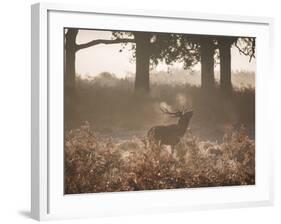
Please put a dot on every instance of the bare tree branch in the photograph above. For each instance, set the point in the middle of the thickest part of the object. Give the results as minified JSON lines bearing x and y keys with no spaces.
{"x":246,"y":53}
{"x":101,"y":41}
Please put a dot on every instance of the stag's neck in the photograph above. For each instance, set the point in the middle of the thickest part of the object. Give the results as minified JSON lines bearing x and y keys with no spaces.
{"x":182,"y":126}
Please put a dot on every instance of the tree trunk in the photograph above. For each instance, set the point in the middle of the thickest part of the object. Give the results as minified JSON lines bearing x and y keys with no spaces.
{"x":225,"y":65}
{"x":207,"y":63}
{"x":69,"y":67}
{"x":142,"y":62}
{"x":71,"y":115}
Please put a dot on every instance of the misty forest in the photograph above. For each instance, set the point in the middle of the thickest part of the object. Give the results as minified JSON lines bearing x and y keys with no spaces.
{"x":183,"y":117}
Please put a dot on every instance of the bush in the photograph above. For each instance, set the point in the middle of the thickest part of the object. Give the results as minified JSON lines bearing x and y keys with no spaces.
{"x":94,"y":163}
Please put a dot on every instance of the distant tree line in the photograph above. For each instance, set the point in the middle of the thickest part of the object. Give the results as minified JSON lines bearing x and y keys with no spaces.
{"x":152,"y":48}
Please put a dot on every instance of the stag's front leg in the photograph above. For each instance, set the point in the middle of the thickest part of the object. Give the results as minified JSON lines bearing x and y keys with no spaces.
{"x":172,"y":149}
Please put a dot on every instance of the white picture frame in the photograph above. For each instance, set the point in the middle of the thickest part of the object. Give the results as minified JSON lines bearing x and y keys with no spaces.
{"x":47,"y":198}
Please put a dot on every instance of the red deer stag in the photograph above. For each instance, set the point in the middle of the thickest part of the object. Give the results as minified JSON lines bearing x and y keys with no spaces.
{"x":170,"y":134}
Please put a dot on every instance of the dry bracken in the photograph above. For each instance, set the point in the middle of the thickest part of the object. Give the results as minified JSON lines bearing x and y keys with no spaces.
{"x":98,"y":164}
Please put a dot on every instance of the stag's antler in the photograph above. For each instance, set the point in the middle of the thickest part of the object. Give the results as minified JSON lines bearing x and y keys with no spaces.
{"x":173,"y":114}
{"x":187,"y":109}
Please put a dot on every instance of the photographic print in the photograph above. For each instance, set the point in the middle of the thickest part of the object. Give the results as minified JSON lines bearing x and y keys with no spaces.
{"x":153,"y":111}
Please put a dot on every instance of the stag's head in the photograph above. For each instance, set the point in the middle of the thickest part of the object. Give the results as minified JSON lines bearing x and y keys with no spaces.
{"x":184,"y":115}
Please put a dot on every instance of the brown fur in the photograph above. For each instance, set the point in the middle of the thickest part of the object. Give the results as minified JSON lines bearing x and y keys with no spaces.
{"x":170,"y":134}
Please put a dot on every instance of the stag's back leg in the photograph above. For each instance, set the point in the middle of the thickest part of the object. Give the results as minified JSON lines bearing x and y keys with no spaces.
{"x":153,"y":144}
{"x":157,"y":145}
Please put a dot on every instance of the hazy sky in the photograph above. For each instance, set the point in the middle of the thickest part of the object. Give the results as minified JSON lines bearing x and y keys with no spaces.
{"x":94,"y":60}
